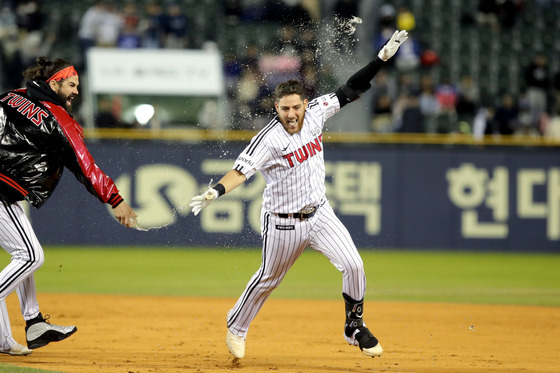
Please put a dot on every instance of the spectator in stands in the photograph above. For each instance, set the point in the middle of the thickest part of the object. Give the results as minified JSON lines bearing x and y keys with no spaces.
{"x":387,"y":23}
{"x":382,"y":121}
{"x":527,"y":123}
{"x":89,"y":30}
{"x":34,"y":40}
{"x":387,"y":17}
{"x":28,"y":16}
{"x":446,"y":95}
{"x":429,"y":105}
{"x":8,"y":25}
{"x":467,"y":100}
{"x":405,"y":19}
{"x":484,"y":123}
{"x":129,"y":37}
{"x":109,"y":27}
{"x":251,"y":99}
{"x":383,"y":84}
{"x":105,"y":118}
{"x":537,"y":80}
{"x":384,"y":91}
{"x":251,"y":56}
{"x":408,"y":56}
{"x":232,"y":73}
{"x":287,"y":43}
{"x":412,"y":119}
{"x":176,"y":27}
{"x":130,"y":15}
{"x":506,"y":116}
{"x":406,"y":84}
{"x":152,"y":26}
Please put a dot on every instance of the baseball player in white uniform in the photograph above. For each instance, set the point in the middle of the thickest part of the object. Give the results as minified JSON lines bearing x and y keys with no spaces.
{"x":295,"y":212}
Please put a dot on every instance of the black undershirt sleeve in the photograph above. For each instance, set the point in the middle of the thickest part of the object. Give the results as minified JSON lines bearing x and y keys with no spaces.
{"x":359,"y":82}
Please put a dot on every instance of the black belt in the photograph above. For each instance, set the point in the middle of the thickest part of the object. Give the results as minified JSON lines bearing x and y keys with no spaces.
{"x":299,"y":215}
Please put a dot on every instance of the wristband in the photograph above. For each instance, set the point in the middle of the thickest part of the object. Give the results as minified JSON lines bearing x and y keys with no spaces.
{"x":220,"y":189}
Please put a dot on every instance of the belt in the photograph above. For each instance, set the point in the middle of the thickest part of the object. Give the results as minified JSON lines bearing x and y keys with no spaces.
{"x":300,"y":215}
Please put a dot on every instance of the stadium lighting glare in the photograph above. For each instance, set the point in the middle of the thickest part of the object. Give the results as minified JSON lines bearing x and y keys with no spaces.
{"x":144,"y":113}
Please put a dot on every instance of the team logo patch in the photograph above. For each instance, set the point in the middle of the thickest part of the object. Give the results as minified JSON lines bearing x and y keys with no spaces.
{"x":285,"y":227}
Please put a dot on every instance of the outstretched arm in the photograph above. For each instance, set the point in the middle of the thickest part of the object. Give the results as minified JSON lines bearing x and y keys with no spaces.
{"x":229,"y":182}
{"x":360,"y":81}
{"x":125,"y":215}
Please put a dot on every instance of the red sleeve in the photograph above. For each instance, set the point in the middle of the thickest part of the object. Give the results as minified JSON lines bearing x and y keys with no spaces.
{"x":91,"y":175}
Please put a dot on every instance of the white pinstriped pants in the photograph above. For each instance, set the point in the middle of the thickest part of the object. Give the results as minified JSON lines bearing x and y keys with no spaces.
{"x":284,"y":240}
{"x":18,"y":239}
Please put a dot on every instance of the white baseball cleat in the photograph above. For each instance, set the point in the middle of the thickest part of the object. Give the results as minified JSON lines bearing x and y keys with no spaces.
{"x":235,"y":344}
{"x":17,"y":350}
{"x":40,"y":332}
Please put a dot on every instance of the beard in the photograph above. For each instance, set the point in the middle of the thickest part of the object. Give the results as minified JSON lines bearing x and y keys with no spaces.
{"x":289,"y":128}
{"x":67,"y":102}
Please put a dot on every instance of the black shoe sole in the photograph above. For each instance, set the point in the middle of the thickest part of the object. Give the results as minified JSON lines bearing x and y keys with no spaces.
{"x":48,"y":337}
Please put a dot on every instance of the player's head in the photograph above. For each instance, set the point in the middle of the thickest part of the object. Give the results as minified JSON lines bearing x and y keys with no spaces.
{"x":59,"y":74}
{"x":290,"y":103}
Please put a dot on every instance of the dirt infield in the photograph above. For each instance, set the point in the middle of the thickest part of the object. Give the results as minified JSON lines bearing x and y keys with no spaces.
{"x":175,"y":334}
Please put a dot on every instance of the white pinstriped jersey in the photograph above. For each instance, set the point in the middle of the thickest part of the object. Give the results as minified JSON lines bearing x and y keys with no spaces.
{"x":293,"y":166}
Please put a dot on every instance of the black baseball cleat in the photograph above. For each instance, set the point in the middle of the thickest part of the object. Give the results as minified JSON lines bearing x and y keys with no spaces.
{"x":365,"y":340}
{"x":39,"y":332}
{"x":355,"y":331}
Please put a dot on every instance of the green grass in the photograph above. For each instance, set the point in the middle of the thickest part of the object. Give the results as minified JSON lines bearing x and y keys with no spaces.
{"x":499,"y":278}
{"x":494,"y":278}
{"x":5,"y":368}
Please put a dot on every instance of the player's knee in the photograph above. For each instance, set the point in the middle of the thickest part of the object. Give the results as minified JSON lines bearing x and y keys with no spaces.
{"x":33,"y":258}
{"x":356,"y":268}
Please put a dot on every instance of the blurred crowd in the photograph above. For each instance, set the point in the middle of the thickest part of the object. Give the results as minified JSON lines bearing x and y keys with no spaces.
{"x":405,"y":96}
{"x":24,"y":36}
{"x":409,"y":100}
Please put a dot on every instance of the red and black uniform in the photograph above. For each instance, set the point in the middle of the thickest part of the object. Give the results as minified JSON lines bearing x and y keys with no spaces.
{"x":38,"y":138}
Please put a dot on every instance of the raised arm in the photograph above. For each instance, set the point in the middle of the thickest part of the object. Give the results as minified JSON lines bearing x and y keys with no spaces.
{"x":360,"y":81}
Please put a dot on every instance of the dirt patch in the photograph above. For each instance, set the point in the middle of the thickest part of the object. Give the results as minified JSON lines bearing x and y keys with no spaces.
{"x":176,"y":334}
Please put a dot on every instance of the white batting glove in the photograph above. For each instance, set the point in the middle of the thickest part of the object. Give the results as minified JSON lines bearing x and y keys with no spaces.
{"x":393,"y":45}
{"x":201,"y":201}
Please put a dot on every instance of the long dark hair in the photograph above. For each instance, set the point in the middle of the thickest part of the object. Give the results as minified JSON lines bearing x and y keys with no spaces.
{"x":45,"y":68}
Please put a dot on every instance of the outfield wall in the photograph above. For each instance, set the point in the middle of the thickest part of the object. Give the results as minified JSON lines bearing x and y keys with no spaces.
{"x":389,"y":196}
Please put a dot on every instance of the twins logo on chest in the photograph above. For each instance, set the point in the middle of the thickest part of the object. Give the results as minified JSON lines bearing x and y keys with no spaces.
{"x":305,"y":152}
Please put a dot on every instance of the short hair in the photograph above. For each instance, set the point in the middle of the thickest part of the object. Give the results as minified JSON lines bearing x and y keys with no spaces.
{"x":289,"y":87}
{"x":45,"y":68}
